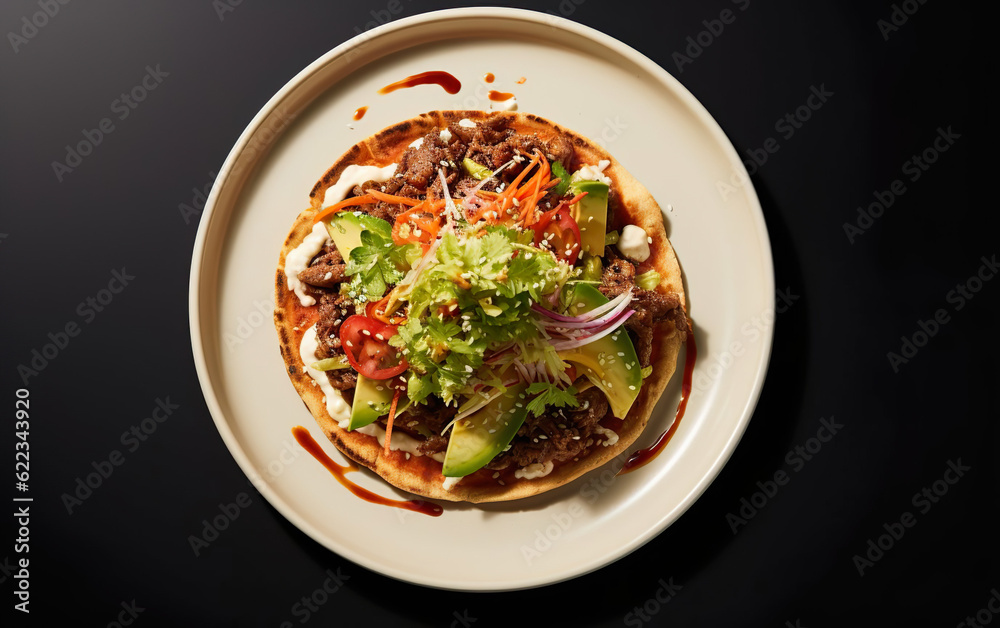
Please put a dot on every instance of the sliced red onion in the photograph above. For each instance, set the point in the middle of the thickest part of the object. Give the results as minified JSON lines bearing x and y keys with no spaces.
{"x":554,"y":297}
{"x":586,"y":316}
{"x":579,"y":342}
{"x":597,"y":322}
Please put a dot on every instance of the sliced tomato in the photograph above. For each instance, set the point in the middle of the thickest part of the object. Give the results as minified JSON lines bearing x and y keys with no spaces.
{"x":366,"y":343}
{"x":560,"y":234}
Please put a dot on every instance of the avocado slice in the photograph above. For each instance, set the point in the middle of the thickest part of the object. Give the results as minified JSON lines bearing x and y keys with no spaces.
{"x":372,"y":399}
{"x":610,"y":363}
{"x":478,"y":438}
{"x":591,"y":214}
{"x":345,"y":230}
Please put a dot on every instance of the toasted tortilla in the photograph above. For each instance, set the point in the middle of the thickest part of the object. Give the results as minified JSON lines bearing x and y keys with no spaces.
{"x":421,"y":475}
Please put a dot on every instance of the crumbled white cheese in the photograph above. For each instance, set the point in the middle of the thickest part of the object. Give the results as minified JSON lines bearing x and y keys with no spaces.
{"x":593,"y":173}
{"x":445,"y":135}
{"x":634,"y":243}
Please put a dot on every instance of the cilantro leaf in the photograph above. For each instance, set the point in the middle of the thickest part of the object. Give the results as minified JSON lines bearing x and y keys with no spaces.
{"x":550,"y":395}
{"x":559,"y":171}
{"x":374,"y":265}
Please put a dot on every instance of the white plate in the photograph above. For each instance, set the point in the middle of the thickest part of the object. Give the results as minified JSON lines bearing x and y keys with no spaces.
{"x":578,"y":78}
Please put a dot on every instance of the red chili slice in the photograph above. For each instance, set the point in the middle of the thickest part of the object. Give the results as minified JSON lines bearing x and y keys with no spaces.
{"x":561,"y":233}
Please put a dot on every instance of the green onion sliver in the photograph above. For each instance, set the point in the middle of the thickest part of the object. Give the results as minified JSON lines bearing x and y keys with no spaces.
{"x":648,"y":280}
{"x":330,"y":364}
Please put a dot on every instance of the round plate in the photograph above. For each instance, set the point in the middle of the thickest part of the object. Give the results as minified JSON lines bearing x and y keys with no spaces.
{"x":580,"y":79}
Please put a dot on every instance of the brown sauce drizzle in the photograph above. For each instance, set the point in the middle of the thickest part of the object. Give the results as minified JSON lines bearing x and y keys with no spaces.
{"x":521,"y":80}
{"x":496,"y":96}
{"x":305,"y":439}
{"x":645,"y":456}
{"x":489,"y":78}
{"x":448,"y":82}
{"x":360,"y":112}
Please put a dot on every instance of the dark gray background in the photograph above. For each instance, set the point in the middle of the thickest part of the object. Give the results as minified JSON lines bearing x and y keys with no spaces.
{"x":851,"y":305}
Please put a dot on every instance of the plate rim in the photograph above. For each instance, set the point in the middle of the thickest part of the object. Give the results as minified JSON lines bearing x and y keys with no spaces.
{"x":200,"y":251}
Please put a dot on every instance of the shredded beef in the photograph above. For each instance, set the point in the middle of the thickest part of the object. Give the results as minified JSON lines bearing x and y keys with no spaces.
{"x":557,"y":435}
{"x":619,"y":275}
{"x":650,"y":306}
{"x":433,"y":415}
{"x":326,"y":271}
{"x":433,"y":444}
{"x":333,"y":309}
{"x":419,"y":165}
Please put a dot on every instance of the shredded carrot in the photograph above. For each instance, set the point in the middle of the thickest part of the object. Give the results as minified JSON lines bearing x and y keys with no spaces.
{"x":347,"y":202}
{"x":392,"y":417}
{"x":392,"y":198}
{"x":426,"y":216}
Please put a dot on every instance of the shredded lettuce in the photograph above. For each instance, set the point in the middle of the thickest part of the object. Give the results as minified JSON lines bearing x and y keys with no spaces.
{"x":477,"y":295}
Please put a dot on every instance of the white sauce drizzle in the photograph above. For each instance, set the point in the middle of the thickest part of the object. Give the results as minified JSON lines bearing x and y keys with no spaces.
{"x":467,"y":123}
{"x":356,"y":175}
{"x":336,"y":407}
{"x":610,"y":436}
{"x":534,"y":470}
{"x":298,"y":260}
